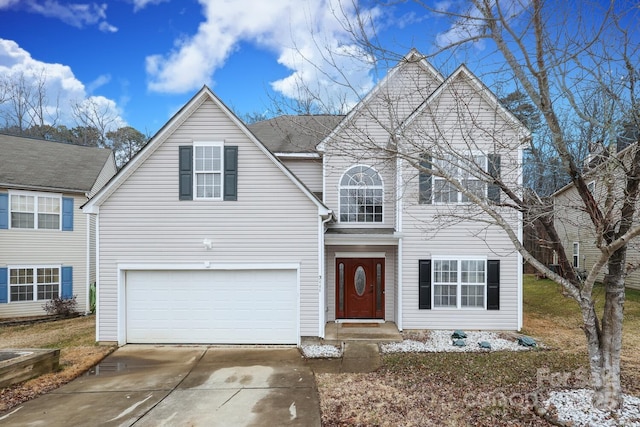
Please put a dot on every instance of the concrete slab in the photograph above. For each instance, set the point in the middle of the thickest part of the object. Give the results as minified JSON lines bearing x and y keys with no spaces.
{"x":83,"y":409}
{"x":374,"y":332}
{"x":174,"y":385}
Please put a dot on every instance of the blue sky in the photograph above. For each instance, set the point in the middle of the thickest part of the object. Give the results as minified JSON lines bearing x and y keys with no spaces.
{"x":141,"y":60}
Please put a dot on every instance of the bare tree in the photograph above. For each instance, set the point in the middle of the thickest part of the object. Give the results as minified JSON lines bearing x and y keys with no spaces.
{"x":577,"y":66}
{"x":91,"y":114}
{"x":126,"y":143}
{"x":24,"y":101}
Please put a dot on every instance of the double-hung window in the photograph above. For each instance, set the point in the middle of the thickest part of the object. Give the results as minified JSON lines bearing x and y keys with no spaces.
{"x":35,"y":211}
{"x":208,"y":169}
{"x":465,"y":170}
{"x":459,"y":283}
{"x":34,"y":283}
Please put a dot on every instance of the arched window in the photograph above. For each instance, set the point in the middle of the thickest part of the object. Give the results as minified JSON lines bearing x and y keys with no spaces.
{"x":361,"y":193}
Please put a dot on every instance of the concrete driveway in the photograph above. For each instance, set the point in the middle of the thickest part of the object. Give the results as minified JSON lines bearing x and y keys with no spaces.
{"x":145,"y":385}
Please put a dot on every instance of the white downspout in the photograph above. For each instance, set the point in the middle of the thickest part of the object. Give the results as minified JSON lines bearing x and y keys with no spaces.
{"x":321,"y":276}
{"x":520,"y":237}
{"x":399,"y":261}
{"x":87,"y":218}
{"x":98,"y":278}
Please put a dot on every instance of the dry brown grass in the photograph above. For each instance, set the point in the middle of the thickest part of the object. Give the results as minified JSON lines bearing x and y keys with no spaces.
{"x":78,"y":352}
{"x":479,"y":389}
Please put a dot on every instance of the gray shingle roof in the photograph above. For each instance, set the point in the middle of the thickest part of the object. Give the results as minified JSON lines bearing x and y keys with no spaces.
{"x":35,"y":163}
{"x":294,"y":134}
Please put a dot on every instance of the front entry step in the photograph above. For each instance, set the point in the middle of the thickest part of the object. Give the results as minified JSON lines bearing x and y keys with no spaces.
{"x":337,"y":333}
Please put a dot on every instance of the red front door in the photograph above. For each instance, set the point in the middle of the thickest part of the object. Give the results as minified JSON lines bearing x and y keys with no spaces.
{"x":360,"y":288}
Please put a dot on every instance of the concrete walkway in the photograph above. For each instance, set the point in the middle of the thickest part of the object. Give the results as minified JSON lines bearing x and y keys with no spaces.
{"x":357,"y":357}
{"x":182,"y":386}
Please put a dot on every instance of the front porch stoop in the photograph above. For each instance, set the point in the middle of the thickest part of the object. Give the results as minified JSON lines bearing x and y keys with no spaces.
{"x":374,"y":333}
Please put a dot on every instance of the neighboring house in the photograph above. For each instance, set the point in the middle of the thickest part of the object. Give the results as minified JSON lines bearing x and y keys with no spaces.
{"x":574,"y":226}
{"x":46,"y":242}
{"x":218,"y":232}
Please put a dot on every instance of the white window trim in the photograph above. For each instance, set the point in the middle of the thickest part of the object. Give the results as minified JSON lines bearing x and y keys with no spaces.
{"x":35,"y":284}
{"x":575,"y":259}
{"x":458,"y":177}
{"x":195,"y":173}
{"x":356,"y":224}
{"x":459,"y":283}
{"x":35,"y":195}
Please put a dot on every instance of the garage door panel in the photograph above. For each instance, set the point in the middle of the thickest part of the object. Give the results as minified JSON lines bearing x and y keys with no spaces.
{"x":245,"y":307}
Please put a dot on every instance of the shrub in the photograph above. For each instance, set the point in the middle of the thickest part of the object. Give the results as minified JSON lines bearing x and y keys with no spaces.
{"x":92,"y":297}
{"x":61,"y":307}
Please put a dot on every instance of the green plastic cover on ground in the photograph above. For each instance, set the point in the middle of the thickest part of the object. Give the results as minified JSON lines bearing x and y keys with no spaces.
{"x":527,"y":341}
{"x":457,"y":334}
{"x":485,"y":344}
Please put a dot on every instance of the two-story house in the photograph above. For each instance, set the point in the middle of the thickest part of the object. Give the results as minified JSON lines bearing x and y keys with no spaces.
{"x":218,"y":232}
{"x":47,"y":245}
{"x":606,"y":179}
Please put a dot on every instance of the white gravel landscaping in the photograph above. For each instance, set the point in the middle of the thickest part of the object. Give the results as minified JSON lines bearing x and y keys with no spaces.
{"x":321,"y":351}
{"x":441,"y":341}
{"x":574,"y":408}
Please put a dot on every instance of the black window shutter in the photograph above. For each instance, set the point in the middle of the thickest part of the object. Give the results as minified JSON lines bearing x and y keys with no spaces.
{"x":424,"y":181}
{"x":493,"y":192}
{"x":424,"y":286}
{"x":186,"y":172}
{"x":231,"y":173}
{"x":493,"y":284}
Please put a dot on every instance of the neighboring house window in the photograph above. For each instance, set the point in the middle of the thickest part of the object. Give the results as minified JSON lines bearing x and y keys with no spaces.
{"x":576,"y":255}
{"x":459,"y":283}
{"x":34,"y":283}
{"x":40,"y":211}
{"x":208,"y":171}
{"x":592,"y":187}
{"x":361,"y":195}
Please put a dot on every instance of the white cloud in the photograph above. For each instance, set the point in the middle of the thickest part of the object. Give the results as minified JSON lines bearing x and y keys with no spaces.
{"x":470,"y":25}
{"x":77,"y":15}
{"x":141,"y":4}
{"x":61,"y":88}
{"x":301,"y":33}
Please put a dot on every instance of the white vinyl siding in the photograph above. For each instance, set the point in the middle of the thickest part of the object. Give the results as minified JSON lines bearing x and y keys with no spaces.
{"x":29,"y":247}
{"x":409,"y":86}
{"x":429,"y":232}
{"x":272,"y":220}
{"x":309,"y":171}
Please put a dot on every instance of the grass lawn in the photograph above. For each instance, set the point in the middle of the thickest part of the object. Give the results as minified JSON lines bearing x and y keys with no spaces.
{"x":480,"y":389}
{"x":78,"y":352}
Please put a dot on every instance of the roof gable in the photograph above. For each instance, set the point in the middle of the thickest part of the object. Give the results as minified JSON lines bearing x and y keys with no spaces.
{"x":168,"y":129}
{"x":413,"y":57}
{"x":462,"y":73}
{"x":31,"y":163}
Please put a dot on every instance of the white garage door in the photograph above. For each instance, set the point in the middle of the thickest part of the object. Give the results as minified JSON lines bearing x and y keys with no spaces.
{"x":212,"y":307}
